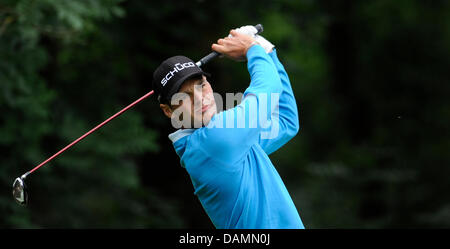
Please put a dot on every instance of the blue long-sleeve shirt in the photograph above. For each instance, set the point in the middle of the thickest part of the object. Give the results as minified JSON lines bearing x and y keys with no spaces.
{"x":232,"y":175}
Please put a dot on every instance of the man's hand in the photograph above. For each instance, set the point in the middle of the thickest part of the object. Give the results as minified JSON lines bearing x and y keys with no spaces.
{"x":234,"y":46}
{"x":251,"y":31}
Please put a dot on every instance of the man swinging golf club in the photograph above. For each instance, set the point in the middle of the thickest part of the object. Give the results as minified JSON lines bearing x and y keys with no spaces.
{"x":233,"y":177}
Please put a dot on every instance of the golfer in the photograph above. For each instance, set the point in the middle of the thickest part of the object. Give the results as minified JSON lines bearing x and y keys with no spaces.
{"x":229,"y":166}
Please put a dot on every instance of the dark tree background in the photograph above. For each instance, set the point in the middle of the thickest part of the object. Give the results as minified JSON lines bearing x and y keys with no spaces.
{"x":371,"y":80}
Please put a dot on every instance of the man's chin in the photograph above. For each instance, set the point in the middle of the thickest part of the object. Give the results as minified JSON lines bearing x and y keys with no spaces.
{"x":207,"y":116}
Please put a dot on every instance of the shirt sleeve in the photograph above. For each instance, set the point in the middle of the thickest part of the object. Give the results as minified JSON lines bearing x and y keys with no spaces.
{"x":231,"y":133}
{"x":284,"y":123}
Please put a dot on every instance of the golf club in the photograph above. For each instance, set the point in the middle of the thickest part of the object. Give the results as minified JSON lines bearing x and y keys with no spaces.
{"x":20,"y":192}
{"x":212,"y":55}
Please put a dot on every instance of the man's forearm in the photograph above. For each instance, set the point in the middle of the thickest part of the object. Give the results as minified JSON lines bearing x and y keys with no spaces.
{"x":286,"y":115}
{"x":263,"y":73}
{"x":288,"y":110}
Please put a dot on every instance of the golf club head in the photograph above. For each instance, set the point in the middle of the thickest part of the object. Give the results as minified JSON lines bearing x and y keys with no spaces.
{"x":20,"y":193}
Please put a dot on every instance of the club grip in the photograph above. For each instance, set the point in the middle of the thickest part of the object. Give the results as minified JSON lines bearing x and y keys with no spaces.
{"x":259,"y":28}
{"x":207,"y":58}
{"x":214,"y":54}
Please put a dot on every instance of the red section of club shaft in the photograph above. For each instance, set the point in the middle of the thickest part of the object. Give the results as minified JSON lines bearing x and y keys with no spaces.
{"x":89,"y":132}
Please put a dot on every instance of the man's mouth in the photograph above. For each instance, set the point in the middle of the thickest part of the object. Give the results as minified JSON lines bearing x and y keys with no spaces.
{"x":205,"y":108}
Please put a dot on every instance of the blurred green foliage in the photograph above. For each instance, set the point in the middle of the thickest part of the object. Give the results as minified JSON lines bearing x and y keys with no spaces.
{"x":371,"y":82}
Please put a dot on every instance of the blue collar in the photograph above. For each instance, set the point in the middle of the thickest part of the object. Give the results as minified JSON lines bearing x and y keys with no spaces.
{"x":177,"y":135}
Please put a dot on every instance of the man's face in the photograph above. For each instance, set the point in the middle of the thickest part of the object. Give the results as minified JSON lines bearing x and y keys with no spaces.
{"x":195,"y":98}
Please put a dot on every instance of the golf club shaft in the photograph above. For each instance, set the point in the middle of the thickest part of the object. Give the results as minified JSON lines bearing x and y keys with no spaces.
{"x":89,"y":132}
{"x":200,"y":63}
{"x":214,"y":54}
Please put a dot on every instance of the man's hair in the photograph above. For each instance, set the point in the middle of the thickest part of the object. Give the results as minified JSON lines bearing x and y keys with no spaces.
{"x":167,"y":102}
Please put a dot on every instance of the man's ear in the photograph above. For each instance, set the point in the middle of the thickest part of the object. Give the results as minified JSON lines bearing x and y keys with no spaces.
{"x":166,"y":109}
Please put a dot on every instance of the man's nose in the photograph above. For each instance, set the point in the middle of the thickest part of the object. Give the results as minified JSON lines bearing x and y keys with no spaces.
{"x":198,"y":96}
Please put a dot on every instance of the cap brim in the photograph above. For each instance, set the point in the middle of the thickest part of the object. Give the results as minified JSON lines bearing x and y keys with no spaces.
{"x":176,"y":87}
